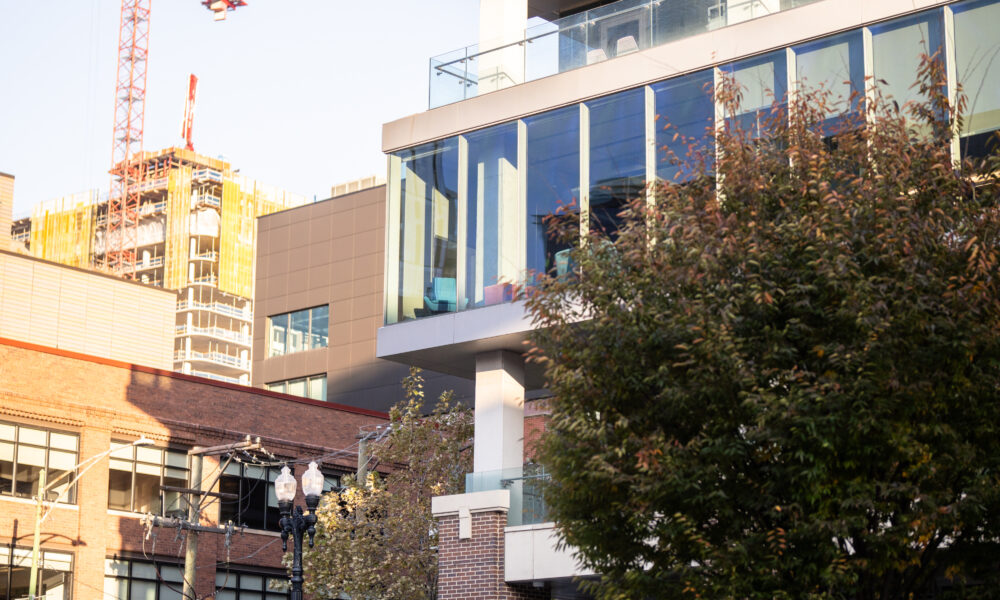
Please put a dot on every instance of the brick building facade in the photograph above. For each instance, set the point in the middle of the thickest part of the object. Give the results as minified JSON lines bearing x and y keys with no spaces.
{"x":58,"y":408}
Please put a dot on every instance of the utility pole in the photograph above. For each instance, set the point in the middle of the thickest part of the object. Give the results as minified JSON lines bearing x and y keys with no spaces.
{"x":362,"y":458}
{"x":193,"y":522}
{"x":33,"y":579}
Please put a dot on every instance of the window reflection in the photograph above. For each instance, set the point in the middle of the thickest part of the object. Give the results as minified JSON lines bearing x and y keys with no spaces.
{"x":977,"y":62}
{"x":684,"y":106}
{"x":553,"y":173}
{"x":835,"y":65}
{"x":617,"y":156}
{"x":896,"y":50}
{"x":491,"y":253}
{"x":762,"y":80}
{"x":306,"y":329}
{"x":428,"y":241}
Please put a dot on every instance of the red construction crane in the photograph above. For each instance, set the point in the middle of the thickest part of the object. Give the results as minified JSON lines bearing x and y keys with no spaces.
{"x":187,"y":126}
{"x":130,"y":111}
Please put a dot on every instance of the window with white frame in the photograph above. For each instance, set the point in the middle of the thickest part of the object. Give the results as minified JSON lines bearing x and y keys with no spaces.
{"x":136,"y":474}
{"x":313,"y":386}
{"x":27,"y":451}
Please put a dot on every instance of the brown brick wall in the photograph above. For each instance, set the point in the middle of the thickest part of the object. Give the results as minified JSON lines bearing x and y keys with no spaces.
{"x":473,"y":569}
{"x":101,"y":399}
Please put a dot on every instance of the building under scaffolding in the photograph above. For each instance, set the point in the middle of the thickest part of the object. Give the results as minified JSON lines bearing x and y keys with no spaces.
{"x":196,"y":235}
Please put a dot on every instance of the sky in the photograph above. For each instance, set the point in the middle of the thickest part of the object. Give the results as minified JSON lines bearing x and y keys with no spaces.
{"x":292,"y":93}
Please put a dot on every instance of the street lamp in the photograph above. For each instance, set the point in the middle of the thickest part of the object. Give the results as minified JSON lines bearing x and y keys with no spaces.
{"x":297,"y":523}
{"x":43,"y":490}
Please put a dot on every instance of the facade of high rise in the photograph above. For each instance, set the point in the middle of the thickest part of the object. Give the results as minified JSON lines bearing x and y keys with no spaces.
{"x":196,"y":236}
{"x":318,"y":303}
{"x":562,"y":102}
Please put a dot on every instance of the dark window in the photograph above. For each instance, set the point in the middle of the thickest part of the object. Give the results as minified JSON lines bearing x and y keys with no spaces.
{"x":136,"y":474}
{"x":257,"y":506}
{"x":142,"y":580}
{"x":232,"y":584}
{"x":26,"y":451}
{"x":55,"y":576}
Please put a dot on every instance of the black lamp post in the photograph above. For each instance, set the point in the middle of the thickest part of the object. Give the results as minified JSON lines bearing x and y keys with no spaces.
{"x":296,"y":523}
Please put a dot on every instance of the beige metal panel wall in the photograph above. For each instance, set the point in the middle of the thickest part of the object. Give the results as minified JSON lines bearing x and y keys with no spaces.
{"x":6,"y":208}
{"x":71,"y":309}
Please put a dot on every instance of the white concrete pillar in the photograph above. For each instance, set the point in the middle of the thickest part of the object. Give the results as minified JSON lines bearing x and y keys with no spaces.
{"x":499,"y":420}
{"x":501,"y":22}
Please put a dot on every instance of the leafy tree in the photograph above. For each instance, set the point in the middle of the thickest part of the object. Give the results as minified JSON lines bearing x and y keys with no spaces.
{"x":780,"y":379}
{"x":377,"y":538}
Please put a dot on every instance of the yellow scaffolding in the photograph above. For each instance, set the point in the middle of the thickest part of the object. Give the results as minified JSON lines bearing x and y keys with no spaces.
{"x":178,"y":230}
{"x":63,"y":230}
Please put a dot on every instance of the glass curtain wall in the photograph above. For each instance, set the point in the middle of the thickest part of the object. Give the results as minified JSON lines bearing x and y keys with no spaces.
{"x":617,"y":156}
{"x":683,"y":106}
{"x":468,"y":214}
{"x":977,"y":62}
{"x":835,"y":66}
{"x":553,"y":181}
{"x":676,"y":19}
{"x":492,"y":255}
{"x":428,"y":230}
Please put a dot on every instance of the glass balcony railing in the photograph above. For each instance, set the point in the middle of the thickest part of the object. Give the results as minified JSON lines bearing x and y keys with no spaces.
{"x":526,"y":485}
{"x":589,"y":37}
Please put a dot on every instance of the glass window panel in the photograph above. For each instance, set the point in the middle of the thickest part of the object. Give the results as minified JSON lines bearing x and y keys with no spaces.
{"x":27,"y":455}
{"x":233,"y":468}
{"x":120,"y":489}
{"x":277,"y":386}
{"x":26,"y":479}
{"x":143,"y":570}
{"x":150,"y":455}
{"x":297,"y":387}
{"x":64,"y":461}
{"x":7,"y":473}
{"x":6,"y":451}
{"x":553,"y":173}
{"x":675,"y":19}
{"x":762,"y":80}
{"x":115,"y":567}
{"x":143,"y":590}
{"x":428,"y":251}
{"x":298,"y":331}
{"x":176,"y":458}
{"x":254,"y":472}
{"x":320,"y":327}
{"x":122,"y":450}
{"x":492,"y":225}
{"x":120,"y":465}
{"x":147,"y":492}
{"x":977,"y":62}
{"x":58,"y":561}
{"x":225,"y":595}
{"x":250,"y":596}
{"x":27,"y":435}
{"x":171,"y":591}
{"x":835,"y":65}
{"x":896,"y":49}
{"x":147,"y":469}
{"x":617,"y":156}
{"x":7,"y":432}
{"x":174,"y":503}
{"x":171,"y":573}
{"x":251,"y":582}
{"x":115,"y":589}
{"x":63,"y":441}
{"x":229,"y":510}
{"x":278,"y":335}
{"x":224,"y":578}
{"x":684,"y":106}
{"x":317,"y":388}
{"x":60,"y":491}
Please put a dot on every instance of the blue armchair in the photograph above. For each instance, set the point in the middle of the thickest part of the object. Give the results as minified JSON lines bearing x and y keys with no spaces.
{"x":442,"y":295}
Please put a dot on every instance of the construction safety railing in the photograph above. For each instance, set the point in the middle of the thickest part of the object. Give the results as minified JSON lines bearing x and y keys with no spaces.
{"x":215,"y":332}
{"x":216,"y":307}
{"x":152,"y":263}
{"x":218,"y":358}
{"x":583,"y":39}
{"x":212,"y":256}
{"x":206,"y":280}
{"x":208,"y":375}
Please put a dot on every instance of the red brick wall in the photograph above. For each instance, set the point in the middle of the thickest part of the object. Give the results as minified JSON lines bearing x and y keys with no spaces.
{"x":103,"y":400}
{"x":473,"y":569}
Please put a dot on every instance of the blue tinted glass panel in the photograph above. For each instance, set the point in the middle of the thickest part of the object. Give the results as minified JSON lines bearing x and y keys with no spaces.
{"x":763,"y":81}
{"x":835,"y":66}
{"x":896,"y":50}
{"x":553,"y":172}
{"x":977,"y":62}
{"x":617,"y":155}
{"x":685,"y":108}
{"x":491,"y":259}
{"x":428,"y":229}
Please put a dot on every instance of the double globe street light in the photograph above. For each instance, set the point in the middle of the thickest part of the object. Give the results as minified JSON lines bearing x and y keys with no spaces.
{"x":295,"y":522}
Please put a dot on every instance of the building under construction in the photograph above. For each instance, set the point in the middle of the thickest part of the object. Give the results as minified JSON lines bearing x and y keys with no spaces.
{"x":196,"y":232}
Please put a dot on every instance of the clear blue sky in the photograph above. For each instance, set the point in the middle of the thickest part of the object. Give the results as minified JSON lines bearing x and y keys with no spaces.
{"x":293,"y":93}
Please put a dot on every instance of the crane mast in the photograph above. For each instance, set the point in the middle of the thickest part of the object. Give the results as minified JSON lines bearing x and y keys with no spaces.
{"x":121,"y":235}
{"x":126,"y":164}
